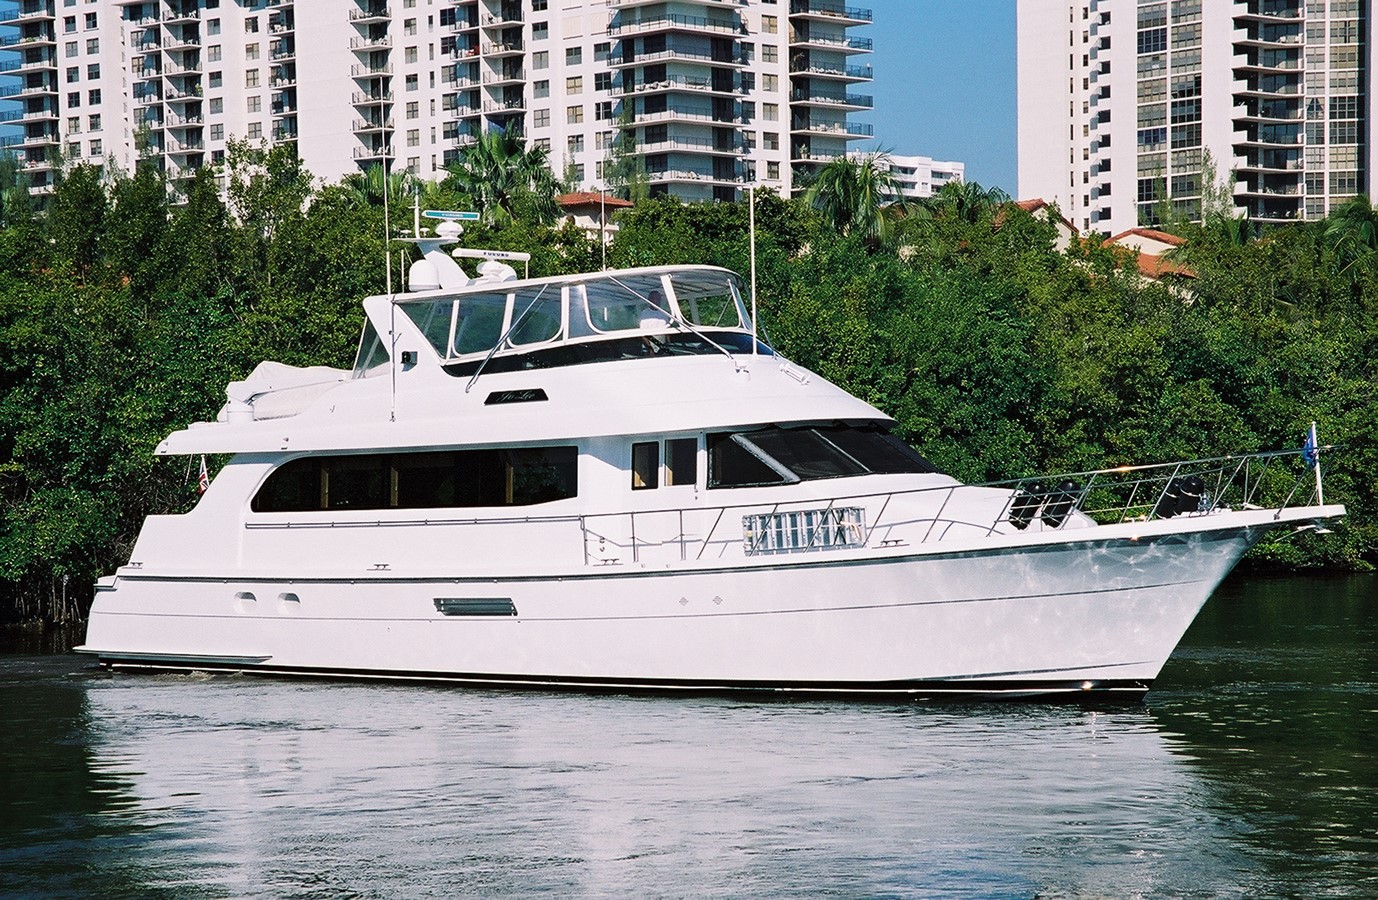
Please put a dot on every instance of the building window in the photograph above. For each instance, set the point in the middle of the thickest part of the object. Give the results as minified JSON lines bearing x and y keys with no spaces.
{"x":543,"y":144}
{"x":409,"y":26}
{"x":217,"y":105}
{"x":576,"y":143}
{"x":540,"y":31}
{"x":95,"y":122}
{"x":770,"y":112}
{"x":72,"y":49}
{"x":574,"y":56}
{"x":93,"y":71}
{"x":602,"y":111}
{"x":90,"y":20}
{"x":409,"y":55}
{"x":213,"y":53}
{"x":770,"y":140}
{"x":73,"y":74}
{"x":413,"y":82}
{"x":93,"y":45}
{"x":602,"y":51}
{"x":770,"y":24}
{"x":540,"y":60}
{"x":574,"y":115}
{"x":413,"y":110}
{"x":772,"y":171}
{"x":574,"y":85}
{"x":251,"y":51}
{"x":540,"y":5}
{"x":74,"y":125}
{"x":414,"y":137}
{"x":602,"y":81}
{"x":255,"y":130}
{"x":770,"y":83}
{"x":251,"y":25}
{"x":217,"y":132}
{"x":540,"y":89}
{"x":96,"y":148}
{"x":576,"y":172}
{"x":213,"y":26}
{"x":251,"y":78}
{"x":93,"y":97}
{"x":541,"y":118}
{"x":770,"y":53}
{"x":215,"y":79}
{"x":69,"y":24}
{"x":255,"y":104}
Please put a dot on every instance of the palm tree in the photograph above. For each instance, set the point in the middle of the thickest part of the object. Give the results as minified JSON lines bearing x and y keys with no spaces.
{"x":852,"y":193}
{"x":501,"y":174}
{"x":1352,"y":229}
{"x":366,"y":188}
{"x":966,"y":201}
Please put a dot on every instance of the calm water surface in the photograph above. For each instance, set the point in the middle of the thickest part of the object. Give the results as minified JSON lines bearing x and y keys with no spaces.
{"x":1250,"y":771}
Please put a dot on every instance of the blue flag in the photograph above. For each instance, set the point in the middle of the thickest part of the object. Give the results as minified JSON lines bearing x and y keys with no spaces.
{"x":1310,"y":453}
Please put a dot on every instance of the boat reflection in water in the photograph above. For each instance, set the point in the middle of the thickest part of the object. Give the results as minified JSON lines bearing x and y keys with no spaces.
{"x":607,"y":481}
{"x":243,"y":787}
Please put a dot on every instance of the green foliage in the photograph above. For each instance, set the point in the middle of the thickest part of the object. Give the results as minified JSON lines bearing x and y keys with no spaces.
{"x":506,"y":179}
{"x":123,"y":316}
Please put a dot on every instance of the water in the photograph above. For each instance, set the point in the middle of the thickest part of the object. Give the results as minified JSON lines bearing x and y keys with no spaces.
{"x":1250,"y":771}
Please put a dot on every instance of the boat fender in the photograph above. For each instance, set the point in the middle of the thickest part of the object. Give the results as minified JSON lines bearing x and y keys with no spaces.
{"x":1166,"y":507}
{"x":1060,"y":503}
{"x":1190,"y":490}
{"x":1027,"y":500}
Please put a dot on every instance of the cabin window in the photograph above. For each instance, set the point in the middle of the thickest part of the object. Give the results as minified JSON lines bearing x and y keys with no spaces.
{"x":450,"y":478}
{"x":789,"y":455}
{"x":537,"y":316}
{"x":681,"y":461}
{"x":478,"y":323}
{"x":645,"y":465}
{"x":372,"y":357}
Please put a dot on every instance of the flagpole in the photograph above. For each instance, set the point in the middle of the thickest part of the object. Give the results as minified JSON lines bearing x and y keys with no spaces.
{"x":751,"y":216}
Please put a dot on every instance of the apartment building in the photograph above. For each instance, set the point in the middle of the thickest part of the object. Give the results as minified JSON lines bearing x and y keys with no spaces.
{"x":703,"y":96}
{"x":916,"y":177}
{"x":1125,"y":106}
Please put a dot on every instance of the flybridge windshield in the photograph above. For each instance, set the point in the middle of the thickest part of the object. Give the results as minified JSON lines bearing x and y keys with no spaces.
{"x":536,"y":316}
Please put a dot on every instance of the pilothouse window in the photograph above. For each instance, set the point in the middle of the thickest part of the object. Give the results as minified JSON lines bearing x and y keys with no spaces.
{"x":788,"y":455}
{"x":372,"y":357}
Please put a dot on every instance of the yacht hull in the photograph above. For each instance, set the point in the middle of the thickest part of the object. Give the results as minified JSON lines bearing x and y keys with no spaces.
{"x":1098,"y":612}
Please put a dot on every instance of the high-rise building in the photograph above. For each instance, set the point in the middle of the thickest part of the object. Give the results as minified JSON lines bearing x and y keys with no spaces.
{"x":916,"y":177}
{"x":703,"y":96}
{"x":1272,"y":95}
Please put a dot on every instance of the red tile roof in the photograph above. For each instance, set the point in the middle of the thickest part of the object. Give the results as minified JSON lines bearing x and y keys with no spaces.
{"x":587,"y":198}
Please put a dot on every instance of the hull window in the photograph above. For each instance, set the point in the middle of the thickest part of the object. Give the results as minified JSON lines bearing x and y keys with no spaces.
{"x":452,"y":478}
{"x":789,"y":455}
{"x":645,"y":466}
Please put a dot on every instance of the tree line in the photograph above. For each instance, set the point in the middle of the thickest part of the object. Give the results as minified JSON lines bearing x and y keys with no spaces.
{"x":125,"y":309}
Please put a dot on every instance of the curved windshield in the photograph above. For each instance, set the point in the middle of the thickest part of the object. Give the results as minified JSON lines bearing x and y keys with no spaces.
{"x":708,"y":299}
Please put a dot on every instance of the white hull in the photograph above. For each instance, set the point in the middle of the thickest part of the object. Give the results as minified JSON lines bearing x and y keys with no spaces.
{"x":1062,"y":612}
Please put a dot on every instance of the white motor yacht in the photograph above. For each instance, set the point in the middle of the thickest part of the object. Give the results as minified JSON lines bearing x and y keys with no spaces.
{"x":605,"y":481}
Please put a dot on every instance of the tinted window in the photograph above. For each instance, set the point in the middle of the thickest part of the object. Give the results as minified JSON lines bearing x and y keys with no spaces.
{"x":457,"y":478}
{"x":765,"y":456}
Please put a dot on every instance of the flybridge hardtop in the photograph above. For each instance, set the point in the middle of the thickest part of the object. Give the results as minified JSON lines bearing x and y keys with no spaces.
{"x":491,"y":343}
{"x":608,"y":481}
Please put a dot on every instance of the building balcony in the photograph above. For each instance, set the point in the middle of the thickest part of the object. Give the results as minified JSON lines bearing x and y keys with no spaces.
{"x":366,"y":45}
{"x":182,"y":95}
{"x":34,"y":90}
{"x":831,"y":73}
{"x":836,"y":43}
{"x":493,"y":79}
{"x":182,"y":16}
{"x":850,"y":102}
{"x":847,"y":131}
{"x":504,"y":106}
{"x":38,"y":140}
{"x":686,"y":143}
{"x":28,"y":12}
{"x":23,"y":41}
{"x":363,"y":71}
{"x":1272,"y":12}
{"x":367,"y":98}
{"x":503,"y":20}
{"x":369,"y":126}
{"x":182,"y":148}
{"x":372,"y":152}
{"x":806,"y":157}
{"x":691,"y":176}
{"x":675,"y":22}
{"x":370,"y":14}
{"x":677,"y":113}
{"x":672,"y":84}
{"x":829,"y":11}
{"x":35,"y":115}
{"x":503,"y":48}
{"x":182,"y":122}
{"x":672,"y":54}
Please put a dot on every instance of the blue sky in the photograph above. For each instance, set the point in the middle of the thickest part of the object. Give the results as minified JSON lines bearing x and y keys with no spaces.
{"x":945,"y":73}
